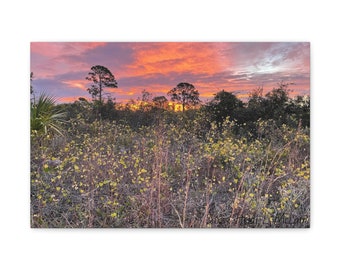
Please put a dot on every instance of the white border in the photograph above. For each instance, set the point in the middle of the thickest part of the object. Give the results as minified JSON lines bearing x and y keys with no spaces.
{"x":98,"y":20}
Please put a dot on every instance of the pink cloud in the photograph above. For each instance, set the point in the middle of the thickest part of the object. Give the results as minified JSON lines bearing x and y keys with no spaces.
{"x":56,"y":49}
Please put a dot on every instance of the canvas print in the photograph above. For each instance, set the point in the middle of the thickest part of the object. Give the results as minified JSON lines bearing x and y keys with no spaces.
{"x":170,"y":134}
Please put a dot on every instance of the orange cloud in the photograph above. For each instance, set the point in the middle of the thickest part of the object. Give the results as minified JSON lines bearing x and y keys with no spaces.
{"x":81,"y":84}
{"x":70,"y":99}
{"x":176,"y":57}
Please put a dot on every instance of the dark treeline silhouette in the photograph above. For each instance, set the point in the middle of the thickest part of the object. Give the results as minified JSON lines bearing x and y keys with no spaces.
{"x":276,"y":106}
{"x":184,"y":101}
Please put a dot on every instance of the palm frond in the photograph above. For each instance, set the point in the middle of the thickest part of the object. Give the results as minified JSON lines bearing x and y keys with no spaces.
{"x":45,"y":116}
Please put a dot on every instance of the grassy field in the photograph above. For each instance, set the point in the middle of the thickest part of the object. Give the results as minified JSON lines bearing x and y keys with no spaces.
{"x":173,"y":173}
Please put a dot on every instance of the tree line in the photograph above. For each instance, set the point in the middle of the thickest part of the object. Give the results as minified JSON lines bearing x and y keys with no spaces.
{"x":275,"y":105}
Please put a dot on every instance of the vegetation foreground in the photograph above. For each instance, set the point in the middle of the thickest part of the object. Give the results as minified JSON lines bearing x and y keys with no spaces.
{"x":181,"y":170}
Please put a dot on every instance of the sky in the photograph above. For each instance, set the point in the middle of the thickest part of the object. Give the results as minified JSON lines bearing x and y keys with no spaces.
{"x":60,"y":68}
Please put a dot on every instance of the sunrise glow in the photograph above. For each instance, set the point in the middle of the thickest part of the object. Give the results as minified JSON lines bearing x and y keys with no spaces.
{"x":60,"y":68}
